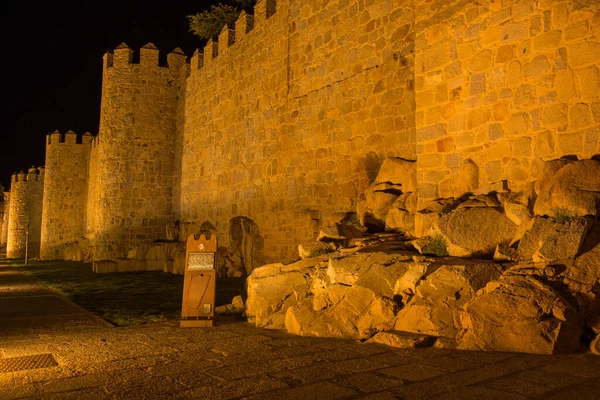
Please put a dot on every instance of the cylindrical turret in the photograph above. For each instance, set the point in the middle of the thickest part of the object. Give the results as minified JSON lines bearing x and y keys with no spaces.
{"x":65,"y":189}
{"x":4,"y":234}
{"x":25,"y":213}
{"x":135,"y":150}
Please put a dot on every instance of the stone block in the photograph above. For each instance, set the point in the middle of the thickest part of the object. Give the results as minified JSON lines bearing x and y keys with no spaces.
{"x":518,"y":124}
{"x":555,"y":116}
{"x":104,"y":267}
{"x":584,"y":53}
{"x":547,"y":41}
{"x":589,"y":83}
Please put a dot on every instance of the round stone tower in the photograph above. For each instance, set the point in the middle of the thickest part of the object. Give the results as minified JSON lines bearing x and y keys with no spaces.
{"x":25,"y":213}
{"x":4,"y":235}
{"x":135,"y":149}
{"x":65,"y":189}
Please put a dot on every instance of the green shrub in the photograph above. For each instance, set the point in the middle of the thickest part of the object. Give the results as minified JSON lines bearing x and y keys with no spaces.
{"x":209,"y":23}
{"x":437,"y":246}
{"x":562,"y":215}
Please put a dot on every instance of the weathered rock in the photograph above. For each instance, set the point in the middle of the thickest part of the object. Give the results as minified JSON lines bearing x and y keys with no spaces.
{"x":475,"y":231}
{"x":313,"y":249}
{"x":520,"y":314}
{"x":246,"y":244}
{"x":398,"y":171}
{"x":373,"y":209}
{"x":563,"y":241}
{"x":595,"y":346}
{"x":482,"y":200}
{"x":431,"y":214}
{"x":505,"y":253}
{"x":550,"y":169}
{"x":402,"y":340}
{"x":574,"y":190}
{"x":547,"y":240}
{"x":517,"y":213}
{"x":440,"y":294}
{"x":271,"y":291}
{"x":401,"y":216}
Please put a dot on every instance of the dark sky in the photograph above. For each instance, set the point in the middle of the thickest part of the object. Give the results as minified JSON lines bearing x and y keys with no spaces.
{"x":52,"y":64}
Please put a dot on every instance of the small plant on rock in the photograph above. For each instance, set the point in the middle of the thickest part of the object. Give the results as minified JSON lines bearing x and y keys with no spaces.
{"x":437,"y":246}
{"x":562,"y":215}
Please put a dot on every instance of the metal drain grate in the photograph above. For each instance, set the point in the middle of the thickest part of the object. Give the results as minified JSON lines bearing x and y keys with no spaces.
{"x":27,"y":362}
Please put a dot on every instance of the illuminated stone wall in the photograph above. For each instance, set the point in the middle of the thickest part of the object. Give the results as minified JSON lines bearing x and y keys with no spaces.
{"x":134,"y":153}
{"x":503,"y":86}
{"x":287,"y":123}
{"x":65,"y":190}
{"x":6,"y":206}
{"x":26,"y":191}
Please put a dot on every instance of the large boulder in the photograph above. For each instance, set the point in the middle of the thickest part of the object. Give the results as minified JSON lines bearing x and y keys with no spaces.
{"x":427,"y":217}
{"x":401,"y":216}
{"x":475,"y":231}
{"x":395,"y":177}
{"x":438,"y":296}
{"x":547,"y":240}
{"x":520,"y":313}
{"x":373,"y":207}
{"x":573,"y":191}
{"x":275,"y":287}
{"x":398,"y":172}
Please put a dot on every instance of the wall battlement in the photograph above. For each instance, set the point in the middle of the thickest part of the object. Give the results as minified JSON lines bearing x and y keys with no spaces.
{"x":122,"y":57}
{"x":245,"y":23}
{"x":69,"y":137}
{"x":33,"y":175}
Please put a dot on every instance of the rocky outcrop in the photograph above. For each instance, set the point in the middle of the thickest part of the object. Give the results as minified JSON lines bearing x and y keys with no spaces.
{"x":442,"y":293}
{"x":574,"y":190}
{"x":520,"y":314}
{"x":395,"y":177}
{"x":475,"y":231}
{"x":547,"y":240}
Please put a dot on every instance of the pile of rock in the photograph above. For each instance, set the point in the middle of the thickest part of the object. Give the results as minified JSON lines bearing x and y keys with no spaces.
{"x":512,"y":272}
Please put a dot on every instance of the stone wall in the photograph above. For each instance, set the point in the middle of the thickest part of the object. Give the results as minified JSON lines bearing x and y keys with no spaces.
{"x":6,"y":206}
{"x":503,"y":86}
{"x":65,"y":190}
{"x":25,"y":211}
{"x":93,"y":195}
{"x":287,"y":124}
{"x":134,"y":152}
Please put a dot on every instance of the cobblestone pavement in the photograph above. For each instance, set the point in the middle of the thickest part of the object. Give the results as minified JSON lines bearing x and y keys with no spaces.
{"x":235,"y":360}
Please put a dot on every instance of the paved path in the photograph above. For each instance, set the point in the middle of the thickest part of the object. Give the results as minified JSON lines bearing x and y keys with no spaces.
{"x":91,"y":360}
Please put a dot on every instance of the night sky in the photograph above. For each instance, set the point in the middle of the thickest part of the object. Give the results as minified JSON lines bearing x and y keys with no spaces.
{"x":52,"y":65}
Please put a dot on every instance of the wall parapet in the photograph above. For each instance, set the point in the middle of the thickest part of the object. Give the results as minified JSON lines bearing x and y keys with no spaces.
{"x":68,"y":137}
{"x":229,"y":36}
{"x":122,"y":57}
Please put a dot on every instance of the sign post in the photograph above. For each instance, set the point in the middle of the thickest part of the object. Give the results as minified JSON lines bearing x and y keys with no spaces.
{"x":199,"y":285}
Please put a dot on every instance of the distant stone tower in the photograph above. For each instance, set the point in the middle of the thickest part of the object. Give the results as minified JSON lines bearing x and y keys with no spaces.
{"x":135,"y":150}
{"x":26,"y":192}
{"x":65,"y":189}
{"x":6,"y":205}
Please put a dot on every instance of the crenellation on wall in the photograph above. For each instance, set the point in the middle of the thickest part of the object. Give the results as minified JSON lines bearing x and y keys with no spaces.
{"x":122,"y":56}
{"x":211,"y":51}
{"x":197,"y":60}
{"x":226,"y":39}
{"x":243,"y":25}
{"x":176,"y":59}
{"x":149,"y":55}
